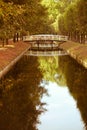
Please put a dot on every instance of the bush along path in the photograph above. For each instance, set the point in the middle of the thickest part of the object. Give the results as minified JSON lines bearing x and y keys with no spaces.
{"x":10,"y":54}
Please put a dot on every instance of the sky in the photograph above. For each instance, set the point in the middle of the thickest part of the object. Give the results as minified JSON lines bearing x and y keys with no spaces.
{"x":62,"y":112}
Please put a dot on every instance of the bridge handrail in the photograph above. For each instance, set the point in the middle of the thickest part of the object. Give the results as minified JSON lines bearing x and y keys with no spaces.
{"x":45,"y":37}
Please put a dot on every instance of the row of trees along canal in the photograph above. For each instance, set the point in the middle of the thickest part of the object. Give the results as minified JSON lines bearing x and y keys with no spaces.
{"x":73,"y":20}
{"x":22,"y":17}
{"x":69,"y":17}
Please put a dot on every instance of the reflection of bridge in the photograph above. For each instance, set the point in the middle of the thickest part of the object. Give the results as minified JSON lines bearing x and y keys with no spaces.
{"x":45,"y":53}
{"x":43,"y":43}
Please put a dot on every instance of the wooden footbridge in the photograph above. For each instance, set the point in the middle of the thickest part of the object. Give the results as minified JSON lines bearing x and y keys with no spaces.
{"x":45,"y":37}
{"x":45,"y":42}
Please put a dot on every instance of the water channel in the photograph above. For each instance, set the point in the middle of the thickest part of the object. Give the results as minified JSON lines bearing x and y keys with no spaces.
{"x":44,"y":93}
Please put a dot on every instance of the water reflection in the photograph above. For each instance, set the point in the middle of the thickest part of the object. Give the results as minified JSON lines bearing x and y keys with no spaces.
{"x":20,"y":94}
{"x":62,"y":113}
{"x":76,"y":80}
{"x":62,"y":108}
{"x":49,"y":67}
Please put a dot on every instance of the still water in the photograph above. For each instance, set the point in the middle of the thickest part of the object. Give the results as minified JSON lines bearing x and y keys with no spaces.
{"x":44,"y":93}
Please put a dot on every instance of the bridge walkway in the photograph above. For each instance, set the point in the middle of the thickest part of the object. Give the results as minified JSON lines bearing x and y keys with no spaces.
{"x":77,"y":51}
{"x":45,"y":38}
{"x":10,"y":54}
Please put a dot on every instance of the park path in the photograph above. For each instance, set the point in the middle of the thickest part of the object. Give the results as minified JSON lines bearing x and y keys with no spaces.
{"x":9,"y":54}
{"x":77,"y":51}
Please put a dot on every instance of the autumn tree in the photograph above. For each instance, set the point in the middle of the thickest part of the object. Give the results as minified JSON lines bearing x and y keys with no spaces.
{"x":52,"y":13}
{"x":82,"y":18}
{"x":70,"y":17}
{"x":61,"y":24}
{"x":20,"y":2}
{"x":23,"y":17}
{"x":10,"y":22}
{"x":36,"y":18}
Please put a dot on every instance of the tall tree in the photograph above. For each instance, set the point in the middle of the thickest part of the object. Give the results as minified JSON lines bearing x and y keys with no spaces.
{"x":52,"y":12}
{"x":61,"y":24}
{"x":30,"y":17}
{"x":16,"y":1}
{"x":9,"y":19}
{"x":70,"y":17}
{"x":36,"y":18}
{"x":82,"y":17}
{"x":75,"y":18}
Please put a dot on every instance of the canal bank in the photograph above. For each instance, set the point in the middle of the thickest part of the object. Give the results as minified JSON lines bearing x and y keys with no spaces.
{"x":76,"y":51}
{"x":10,"y":54}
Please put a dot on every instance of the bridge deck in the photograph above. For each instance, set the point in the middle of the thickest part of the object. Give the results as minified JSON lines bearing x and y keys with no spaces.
{"x":32,"y":38}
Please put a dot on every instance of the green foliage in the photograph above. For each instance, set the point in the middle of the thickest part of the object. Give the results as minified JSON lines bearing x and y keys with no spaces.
{"x":30,"y":17}
{"x":20,"y":2}
{"x":48,"y":66}
{"x":61,"y":24}
{"x":82,"y":15}
{"x":43,"y":16}
{"x":10,"y":19}
{"x":70,"y":18}
{"x":62,"y":5}
{"x":52,"y":12}
{"x":36,"y":18}
{"x":75,"y":18}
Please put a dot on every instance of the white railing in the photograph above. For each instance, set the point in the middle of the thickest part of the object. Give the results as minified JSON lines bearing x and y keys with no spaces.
{"x":45,"y":53}
{"x":45,"y":37}
{"x":44,"y":45}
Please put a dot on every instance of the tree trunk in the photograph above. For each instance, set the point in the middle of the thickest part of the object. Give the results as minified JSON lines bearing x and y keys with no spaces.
{"x":6,"y":41}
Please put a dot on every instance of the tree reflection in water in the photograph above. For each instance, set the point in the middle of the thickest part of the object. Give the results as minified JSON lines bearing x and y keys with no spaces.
{"x":20,"y":94}
{"x":76,"y":80}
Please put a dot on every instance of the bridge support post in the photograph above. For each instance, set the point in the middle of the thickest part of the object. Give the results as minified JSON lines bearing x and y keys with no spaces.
{"x":51,"y":45}
{"x":37,"y":44}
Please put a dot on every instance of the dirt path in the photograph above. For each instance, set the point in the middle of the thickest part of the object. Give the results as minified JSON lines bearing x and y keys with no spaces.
{"x":76,"y":51}
{"x":10,"y":52}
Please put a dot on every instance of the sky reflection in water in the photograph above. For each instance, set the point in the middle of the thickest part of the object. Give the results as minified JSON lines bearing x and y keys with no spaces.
{"x":62,"y":113}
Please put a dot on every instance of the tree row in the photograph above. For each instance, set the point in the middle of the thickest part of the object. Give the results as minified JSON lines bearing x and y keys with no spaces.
{"x":73,"y":21}
{"x":21,"y":17}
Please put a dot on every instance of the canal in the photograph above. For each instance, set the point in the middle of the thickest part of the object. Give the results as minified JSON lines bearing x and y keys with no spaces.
{"x":44,"y":93}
